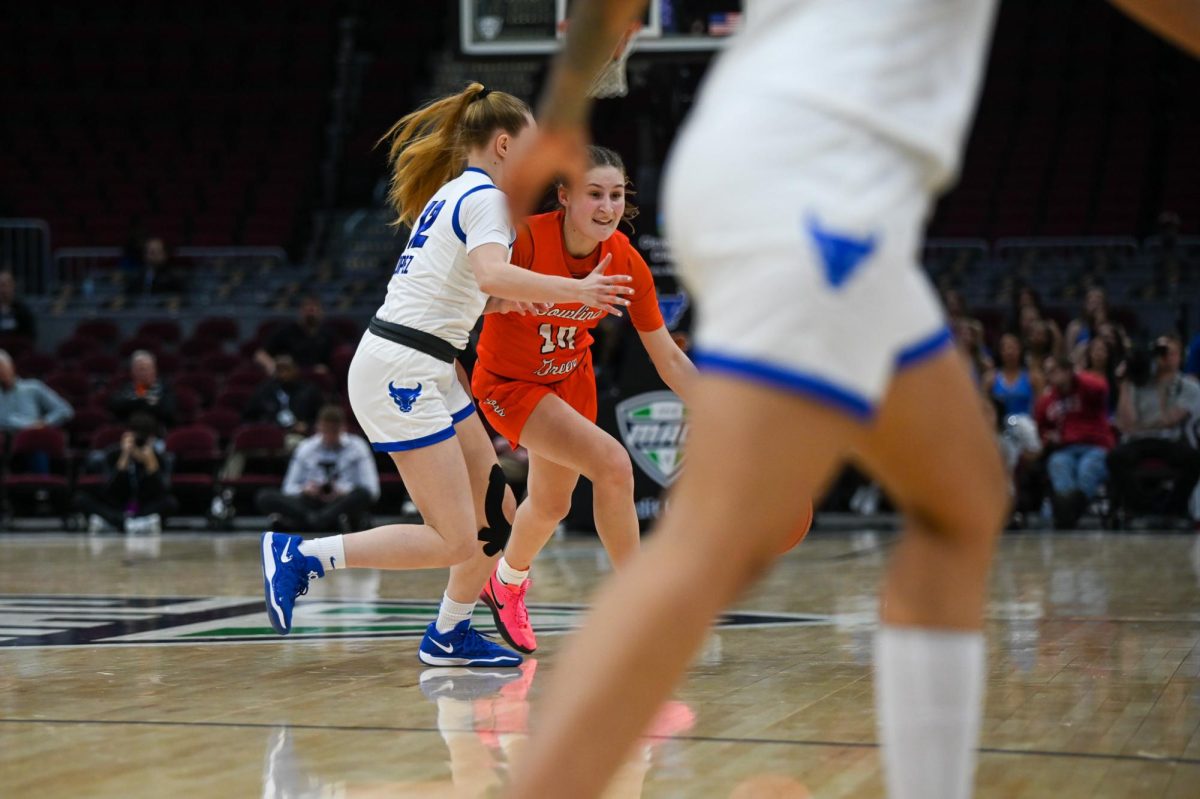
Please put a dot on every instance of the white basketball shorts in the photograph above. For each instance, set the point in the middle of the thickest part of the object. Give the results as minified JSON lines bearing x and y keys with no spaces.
{"x":402,"y":398}
{"x":798,"y":232}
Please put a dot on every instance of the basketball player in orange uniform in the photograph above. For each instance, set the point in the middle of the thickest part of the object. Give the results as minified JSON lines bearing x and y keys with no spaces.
{"x":535,"y":385}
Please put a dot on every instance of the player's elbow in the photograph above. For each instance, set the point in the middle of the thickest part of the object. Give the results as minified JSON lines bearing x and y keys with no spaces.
{"x":488,"y":276}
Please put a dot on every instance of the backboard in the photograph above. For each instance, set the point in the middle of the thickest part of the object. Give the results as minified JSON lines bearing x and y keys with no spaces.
{"x":529,"y":27}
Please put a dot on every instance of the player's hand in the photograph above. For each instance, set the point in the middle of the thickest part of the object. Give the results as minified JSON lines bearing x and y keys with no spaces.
{"x":498,"y":305}
{"x":605,"y":292}
{"x":560,"y":153}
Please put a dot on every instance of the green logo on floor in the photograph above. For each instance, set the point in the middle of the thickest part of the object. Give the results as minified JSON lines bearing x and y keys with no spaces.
{"x":42,"y":620}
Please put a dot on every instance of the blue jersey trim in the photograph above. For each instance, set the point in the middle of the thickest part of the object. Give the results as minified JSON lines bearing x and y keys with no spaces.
{"x":464,"y":414}
{"x":458,"y":231}
{"x":924,"y":349}
{"x":416,"y":443}
{"x":480,"y":171}
{"x":809,"y":385}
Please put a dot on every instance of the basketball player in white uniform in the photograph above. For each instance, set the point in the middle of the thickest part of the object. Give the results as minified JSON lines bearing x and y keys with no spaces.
{"x":403,"y":383}
{"x":795,"y":202}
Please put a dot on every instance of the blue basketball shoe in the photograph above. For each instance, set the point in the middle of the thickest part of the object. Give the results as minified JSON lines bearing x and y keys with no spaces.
{"x":286,"y":573}
{"x":463,"y":646}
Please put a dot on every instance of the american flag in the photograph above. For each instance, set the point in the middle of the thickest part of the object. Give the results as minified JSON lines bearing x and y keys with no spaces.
{"x":725,"y":23}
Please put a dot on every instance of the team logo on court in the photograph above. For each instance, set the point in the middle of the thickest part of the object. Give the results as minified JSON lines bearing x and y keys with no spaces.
{"x":404,"y":397}
{"x":653,"y":427}
{"x":36,"y":620}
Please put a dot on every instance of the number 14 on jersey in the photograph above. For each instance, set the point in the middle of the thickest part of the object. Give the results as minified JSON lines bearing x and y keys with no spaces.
{"x":564,"y":339}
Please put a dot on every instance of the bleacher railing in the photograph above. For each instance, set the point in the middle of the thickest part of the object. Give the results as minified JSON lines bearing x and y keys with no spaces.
{"x":25,"y":250}
{"x":81,"y":267}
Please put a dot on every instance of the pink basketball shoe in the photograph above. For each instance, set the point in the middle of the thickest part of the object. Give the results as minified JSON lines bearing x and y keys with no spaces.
{"x":508,"y":609}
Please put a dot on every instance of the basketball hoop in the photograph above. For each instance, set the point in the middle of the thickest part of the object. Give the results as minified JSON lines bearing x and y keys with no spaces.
{"x":612,"y":81}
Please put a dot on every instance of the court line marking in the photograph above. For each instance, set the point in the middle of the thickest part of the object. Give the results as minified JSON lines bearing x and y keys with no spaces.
{"x":253,"y":725}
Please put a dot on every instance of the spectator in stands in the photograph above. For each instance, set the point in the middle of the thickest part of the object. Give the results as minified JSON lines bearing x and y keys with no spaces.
{"x":1026,"y":308}
{"x":156,"y":273}
{"x":136,"y":498}
{"x":968,"y":335}
{"x":1027,"y":318}
{"x":26,"y":403}
{"x":330,"y":484}
{"x":1098,"y":361}
{"x":955,"y":304}
{"x":1019,"y":442}
{"x":1089,"y":324}
{"x":1156,"y":402}
{"x":1043,"y":340}
{"x":1014,"y":384}
{"x":308,"y":340}
{"x":144,"y":392}
{"x":286,"y":400}
{"x":1072,"y":417}
{"x":15,"y":317}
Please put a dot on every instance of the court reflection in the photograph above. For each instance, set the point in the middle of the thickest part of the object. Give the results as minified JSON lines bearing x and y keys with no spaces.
{"x":482,"y":717}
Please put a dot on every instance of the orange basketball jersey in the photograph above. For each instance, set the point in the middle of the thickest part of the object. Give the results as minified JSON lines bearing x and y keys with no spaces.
{"x":547,"y":347}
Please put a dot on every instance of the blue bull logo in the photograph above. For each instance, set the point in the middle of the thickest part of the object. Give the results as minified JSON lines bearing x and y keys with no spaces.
{"x":404,"y":397}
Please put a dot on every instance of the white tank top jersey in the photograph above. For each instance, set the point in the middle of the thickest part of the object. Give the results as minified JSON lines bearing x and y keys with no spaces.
{"x":908,"y":69}
{"x":433,"y":288}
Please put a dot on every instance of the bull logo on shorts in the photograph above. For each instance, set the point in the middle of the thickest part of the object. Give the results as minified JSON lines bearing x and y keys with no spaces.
{"x":653,"y":428}
{"x":404,"y":397}
{"x":673,"y":307}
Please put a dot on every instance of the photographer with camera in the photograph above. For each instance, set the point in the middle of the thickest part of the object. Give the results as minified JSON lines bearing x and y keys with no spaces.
{"x":331,"y":481}
{"x":137,"y":496}
{"x":1156,"y":402}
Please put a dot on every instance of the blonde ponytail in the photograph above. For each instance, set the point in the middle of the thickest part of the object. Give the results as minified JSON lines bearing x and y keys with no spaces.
{"x":428,"y":147}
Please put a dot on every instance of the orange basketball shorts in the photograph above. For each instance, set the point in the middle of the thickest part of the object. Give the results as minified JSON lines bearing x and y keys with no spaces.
{"x":507,"y":403}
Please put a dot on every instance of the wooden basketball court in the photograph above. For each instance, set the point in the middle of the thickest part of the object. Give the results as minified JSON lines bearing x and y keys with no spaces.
{"x":146,"y":667}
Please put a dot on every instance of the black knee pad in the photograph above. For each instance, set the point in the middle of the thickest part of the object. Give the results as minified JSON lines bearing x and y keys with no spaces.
{"x":495,"y":535}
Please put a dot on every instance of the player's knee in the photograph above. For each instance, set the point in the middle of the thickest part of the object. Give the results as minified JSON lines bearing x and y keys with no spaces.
{"x":974,"y":513}
{"x":461,"y":549}
{"x":613,"y":469}
{"x":460,"y":540}
{"x":551,"y":508}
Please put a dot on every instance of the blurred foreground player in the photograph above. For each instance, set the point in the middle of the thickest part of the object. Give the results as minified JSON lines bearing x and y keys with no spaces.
{"x":795,"y":198}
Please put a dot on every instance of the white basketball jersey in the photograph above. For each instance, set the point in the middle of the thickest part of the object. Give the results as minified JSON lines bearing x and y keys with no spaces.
{"x":909,"y":69}
{"x":433,"y":288}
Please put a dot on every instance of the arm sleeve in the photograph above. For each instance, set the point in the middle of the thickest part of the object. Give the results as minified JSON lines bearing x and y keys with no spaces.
{"x":643,"y":309}
{"x":482,"y":218}
{"x":56,"y":410}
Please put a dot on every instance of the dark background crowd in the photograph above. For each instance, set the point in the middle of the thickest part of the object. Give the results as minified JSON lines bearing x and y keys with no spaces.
{"x":192,"y":238}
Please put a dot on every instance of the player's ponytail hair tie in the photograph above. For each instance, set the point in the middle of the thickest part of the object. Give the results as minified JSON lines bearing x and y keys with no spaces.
{"x":482,"y":93}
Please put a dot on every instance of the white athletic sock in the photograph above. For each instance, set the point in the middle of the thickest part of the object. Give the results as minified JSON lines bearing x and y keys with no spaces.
{"x":508,"y":575}
{"x":329,"y":550}
{"x":451,"y":613}
{"x":929,"y":701}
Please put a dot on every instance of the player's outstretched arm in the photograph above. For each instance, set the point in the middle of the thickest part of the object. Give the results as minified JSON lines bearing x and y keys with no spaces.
{"x":497,"y":277}
{"x":596,"y":26}
{"x":672,"y":364}
{"x":1177,"y":21}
